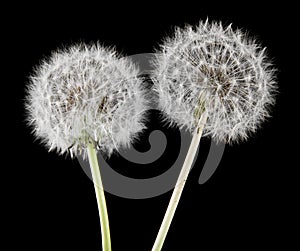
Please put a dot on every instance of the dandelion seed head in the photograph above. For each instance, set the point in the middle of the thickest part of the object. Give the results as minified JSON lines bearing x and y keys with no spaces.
{"x":86,"y":94}
{"x":220,"y":68}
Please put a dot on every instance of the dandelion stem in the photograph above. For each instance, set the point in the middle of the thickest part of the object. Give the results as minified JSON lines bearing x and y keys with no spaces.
{"x":105,"y":232}
{"x":161,"y":236}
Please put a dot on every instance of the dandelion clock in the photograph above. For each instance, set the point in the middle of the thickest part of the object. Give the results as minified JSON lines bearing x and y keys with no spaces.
{"x":215,"y":81}
{"x":86,"y":99}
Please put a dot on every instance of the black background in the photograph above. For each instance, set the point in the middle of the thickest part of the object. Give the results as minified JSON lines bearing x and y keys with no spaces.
{"x":249,"y":201}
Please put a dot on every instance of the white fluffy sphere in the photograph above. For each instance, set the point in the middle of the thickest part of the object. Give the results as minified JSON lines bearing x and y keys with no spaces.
{"x":217,"y":69}
{"x":86,"y":94}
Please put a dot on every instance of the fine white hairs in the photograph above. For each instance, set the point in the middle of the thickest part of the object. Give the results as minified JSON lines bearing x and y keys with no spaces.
{"x":217,"y":69}
{"x":86,"y":94}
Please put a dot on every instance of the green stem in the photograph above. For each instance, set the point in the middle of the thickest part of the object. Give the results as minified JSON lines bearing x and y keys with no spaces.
{"x":161,"y":236}
{"x":105,"y":232}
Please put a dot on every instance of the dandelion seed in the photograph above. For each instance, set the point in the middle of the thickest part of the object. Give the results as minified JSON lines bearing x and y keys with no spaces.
{"x":228,"y":70}
{"x":86,"y":94}
{"x":213,"y":80}
{"x":84,"y":99}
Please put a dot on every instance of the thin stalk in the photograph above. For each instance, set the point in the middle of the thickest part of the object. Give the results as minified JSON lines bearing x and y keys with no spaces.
{"x":105,"y":232}
{"x":161,"y":236}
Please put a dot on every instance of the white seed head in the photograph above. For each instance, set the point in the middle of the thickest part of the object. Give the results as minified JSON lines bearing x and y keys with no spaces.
{"x":86,"y":94}
{"x":218,"y":70}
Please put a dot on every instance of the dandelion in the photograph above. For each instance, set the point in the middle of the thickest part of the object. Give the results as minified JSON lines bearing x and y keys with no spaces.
{"x":213,"y":80}
{"x":86,"y":99}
